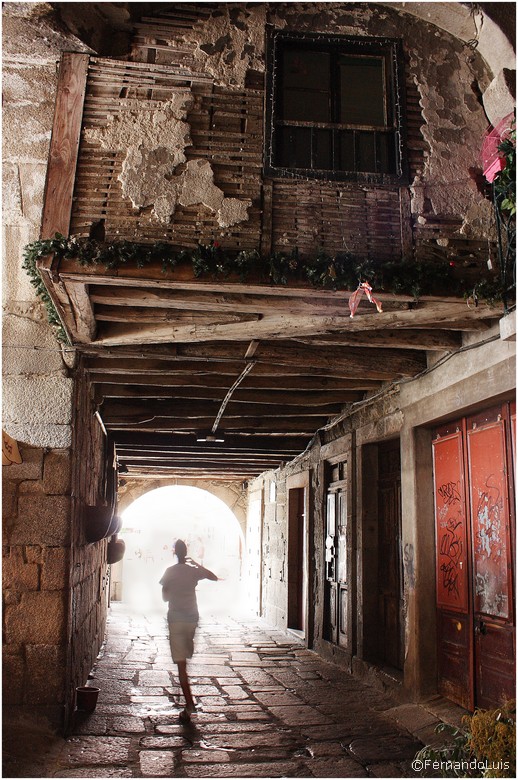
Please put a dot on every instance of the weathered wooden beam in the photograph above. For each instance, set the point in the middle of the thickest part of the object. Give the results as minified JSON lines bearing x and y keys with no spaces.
{"x":143,"y":383}
{"x":182,"y":278}
{"x":148,"y":316}
{"x":329,"y":302}
{"x":406,"y":338}
{"x":127,"y":456}
{"x":264,"y":442}
{"x":221,"y":474}
{"x":239,"y":466}
{"x":206,"y":460}
{"x":376,"y":363}
{"x":273,"y":396}
{"x":85,"y":321}
{"x":114,"y":411}
{"x":64,"y":144}
{"x":203,"y":364}
{"x":288,"y":326}
{"x":241,"y":424}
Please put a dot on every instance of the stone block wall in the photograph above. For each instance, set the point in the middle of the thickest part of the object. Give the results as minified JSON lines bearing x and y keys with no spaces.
{"x":36,"y":561}
{"x":89,"y":602}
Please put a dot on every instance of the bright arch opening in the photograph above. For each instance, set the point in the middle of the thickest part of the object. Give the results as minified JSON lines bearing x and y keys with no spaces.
{"x":150,"y":526}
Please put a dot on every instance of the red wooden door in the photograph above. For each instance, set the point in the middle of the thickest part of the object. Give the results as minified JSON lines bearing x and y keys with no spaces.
{"x":474,"y":572}
{"x":492,"y":569}
{"x":452,"y":572}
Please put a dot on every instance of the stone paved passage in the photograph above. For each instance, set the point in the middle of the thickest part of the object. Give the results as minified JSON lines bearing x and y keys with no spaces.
{"x":267,"y":707}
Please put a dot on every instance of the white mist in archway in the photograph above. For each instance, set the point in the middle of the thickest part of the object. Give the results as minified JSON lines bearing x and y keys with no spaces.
{"x":153,"y":522}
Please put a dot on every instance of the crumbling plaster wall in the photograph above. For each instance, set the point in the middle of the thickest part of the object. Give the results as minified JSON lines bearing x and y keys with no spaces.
{"x":451,"y":78}
{"x":155,"y":171}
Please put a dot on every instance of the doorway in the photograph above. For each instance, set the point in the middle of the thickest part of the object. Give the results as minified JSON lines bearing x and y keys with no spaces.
{"x":153,"y":522}
{"x":338,"y":557}
{"x":473,"y":486}
{"x":390,"y":573}
{"x":297,"y":558}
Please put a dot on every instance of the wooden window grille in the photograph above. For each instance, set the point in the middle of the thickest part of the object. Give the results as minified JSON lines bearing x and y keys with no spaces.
{"x":335,"y":108}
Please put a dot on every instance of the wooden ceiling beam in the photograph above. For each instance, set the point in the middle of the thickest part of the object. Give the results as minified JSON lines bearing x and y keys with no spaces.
{"x":281,"y":326}
{"x":144,"y":383}
{"x":376,"y":363}
{"x":406,"y":338}
{"x":150,"y":316}
{"x":220,"y":474}
{"x":262,"y":442}
{"x":247,"y":425}
{"x":329,"y":302}
{"x":277,"y":396}
{"x":153,"y":277}
{"x":205,"y":460}
{"x":116,"y":410}
{"x":228,"y":457}
{"x":203,"y":365}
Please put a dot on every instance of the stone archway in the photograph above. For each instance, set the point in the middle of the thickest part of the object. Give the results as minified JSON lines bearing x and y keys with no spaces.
{"x":154,"y":514}
{"x":233,"y":494}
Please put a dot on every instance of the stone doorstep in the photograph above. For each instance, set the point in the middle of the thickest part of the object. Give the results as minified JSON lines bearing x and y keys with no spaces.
{"x":412,"y":717}
{"x":445,"y":710}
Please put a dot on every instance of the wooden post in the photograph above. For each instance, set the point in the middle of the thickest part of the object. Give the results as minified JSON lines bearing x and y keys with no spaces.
{"x":64,"y":144}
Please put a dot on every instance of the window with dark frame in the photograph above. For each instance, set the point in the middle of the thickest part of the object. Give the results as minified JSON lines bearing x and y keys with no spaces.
{"x":334,"y":108}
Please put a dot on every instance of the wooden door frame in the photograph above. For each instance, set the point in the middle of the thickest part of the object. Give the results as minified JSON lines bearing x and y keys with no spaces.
{"x":301,"y":481}
{"x":331,"y":454}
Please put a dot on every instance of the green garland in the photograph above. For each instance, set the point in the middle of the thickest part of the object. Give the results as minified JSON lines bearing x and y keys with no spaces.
{"x":341,"y":271}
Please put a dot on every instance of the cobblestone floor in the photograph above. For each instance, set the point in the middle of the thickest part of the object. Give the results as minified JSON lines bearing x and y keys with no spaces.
{"x":267,"y":707}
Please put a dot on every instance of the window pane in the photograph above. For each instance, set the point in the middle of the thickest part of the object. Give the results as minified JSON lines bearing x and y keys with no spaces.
{"x":322,"y":149}
{"x":362,"y":91}
{"x":386,"y":153}
{"x":366,"y":149}
{"x":346,"y":150}
{"x":301,"y":105}
{"x":306,"y":86}
{"x":309,"y":69}
{"x":294,"y":147}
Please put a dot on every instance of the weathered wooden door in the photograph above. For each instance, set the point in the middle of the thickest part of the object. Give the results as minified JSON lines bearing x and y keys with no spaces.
{"x":454,"y":634}
{"x":390,"y":594}
{"x":337,"y":548}
{"x":492,"y":565}
{"x":331,"y":564}
{"x":474,"y":530}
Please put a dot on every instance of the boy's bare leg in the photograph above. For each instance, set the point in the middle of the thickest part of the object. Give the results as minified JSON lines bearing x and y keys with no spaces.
{"x":185,"y":685}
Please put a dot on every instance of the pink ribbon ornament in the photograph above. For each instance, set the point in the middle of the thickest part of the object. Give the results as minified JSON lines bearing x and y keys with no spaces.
{"x":354,"y":300}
